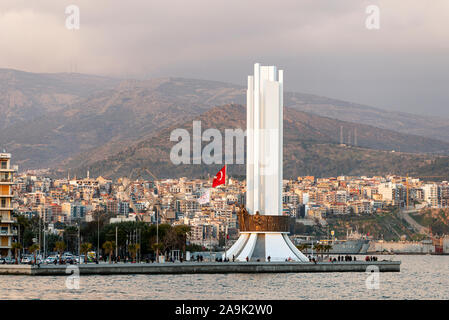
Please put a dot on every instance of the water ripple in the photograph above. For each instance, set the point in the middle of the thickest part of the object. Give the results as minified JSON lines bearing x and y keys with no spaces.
{"x":421,"y":277}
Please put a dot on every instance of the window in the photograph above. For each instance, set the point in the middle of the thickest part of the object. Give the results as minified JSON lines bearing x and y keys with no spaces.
{"x":5,"y":177}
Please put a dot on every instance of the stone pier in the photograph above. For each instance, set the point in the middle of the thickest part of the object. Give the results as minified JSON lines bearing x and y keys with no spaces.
{"x":195,"y":267}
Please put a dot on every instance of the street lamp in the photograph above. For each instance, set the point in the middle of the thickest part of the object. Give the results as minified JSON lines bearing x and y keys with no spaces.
{"x":98,"y":234}
{"x":79,"y":240}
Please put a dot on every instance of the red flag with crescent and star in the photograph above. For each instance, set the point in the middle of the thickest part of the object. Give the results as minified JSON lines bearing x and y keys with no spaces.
{"x":220,"y":177}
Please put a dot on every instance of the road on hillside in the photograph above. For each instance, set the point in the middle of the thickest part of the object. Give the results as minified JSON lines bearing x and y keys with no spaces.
{"x":405,"y":215}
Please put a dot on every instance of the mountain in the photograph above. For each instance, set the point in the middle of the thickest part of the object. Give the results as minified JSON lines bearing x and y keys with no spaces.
{"x":310,"y":148}
{"x":109,"y":119}
{"x":427,"y":126}
{"x":69,"y":120}
{"x":26,"y":96}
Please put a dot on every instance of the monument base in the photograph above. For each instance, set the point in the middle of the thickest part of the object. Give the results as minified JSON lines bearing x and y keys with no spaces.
{"x":259,"y":245}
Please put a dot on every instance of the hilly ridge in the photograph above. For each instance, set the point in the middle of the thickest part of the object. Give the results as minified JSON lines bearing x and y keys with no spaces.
{"x":25,"y":96}
{"x":74,"y":120}
{"x":307,"y":150}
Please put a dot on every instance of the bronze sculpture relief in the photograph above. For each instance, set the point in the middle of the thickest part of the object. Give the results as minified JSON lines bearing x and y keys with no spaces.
{"x":264,"y":223}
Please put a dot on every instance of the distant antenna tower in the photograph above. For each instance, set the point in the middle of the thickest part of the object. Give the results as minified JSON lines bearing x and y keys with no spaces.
{"x":355,"y":136}
{"x":341,"y":134}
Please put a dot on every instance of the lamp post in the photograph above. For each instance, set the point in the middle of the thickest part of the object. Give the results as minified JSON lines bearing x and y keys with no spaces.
{"x":210,"y":243}
{"x":157,"y":231}
{"x":226,"y":238}
{"x":116,"y":243}
{"x":98,"y":236}
{"x":312,"y":249}
{"x":45,"y":245}
{"x":79,"y":240}
{"x":140,"y":245}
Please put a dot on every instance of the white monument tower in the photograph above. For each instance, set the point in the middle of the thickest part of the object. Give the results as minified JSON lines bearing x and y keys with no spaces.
{"x":263,"y":228}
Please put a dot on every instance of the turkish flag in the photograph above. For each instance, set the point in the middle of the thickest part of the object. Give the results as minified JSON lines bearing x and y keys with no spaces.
{"x":220,"y":177}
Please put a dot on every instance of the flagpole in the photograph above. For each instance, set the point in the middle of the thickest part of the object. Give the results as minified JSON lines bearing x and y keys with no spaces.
{"x":226,"y":226}
{"x":226,"y":238}
{"x":215,"y":183}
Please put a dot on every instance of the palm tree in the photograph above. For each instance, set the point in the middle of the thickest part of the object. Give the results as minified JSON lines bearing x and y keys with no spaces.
{"x":133,"y":248}
{"x":109,"y":247}
{"x":85,"y":248}
{"x":318,"y":248}
{"x":60,"y":247}
{"x":16,"y":246}
{"x":327,"y":248}
{"x":303,"y":247}
{"x":156,"y":247}
{"x":32,"y":249}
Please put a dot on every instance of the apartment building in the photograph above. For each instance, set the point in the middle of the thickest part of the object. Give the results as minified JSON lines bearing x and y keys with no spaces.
{"x":7,"y":232}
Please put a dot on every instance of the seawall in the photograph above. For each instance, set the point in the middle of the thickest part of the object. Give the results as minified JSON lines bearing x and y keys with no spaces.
{"x":194,"y":267}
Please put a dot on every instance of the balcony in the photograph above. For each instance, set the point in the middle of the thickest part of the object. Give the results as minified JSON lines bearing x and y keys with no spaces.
{"x":6,"y":195}
{"x":8,"y":220}
{"x":11,"y":233}
{"x":5,"y":179}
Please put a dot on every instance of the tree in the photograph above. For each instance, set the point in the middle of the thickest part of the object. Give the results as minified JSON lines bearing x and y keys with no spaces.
{"x":303,"y":247}
{"x":70,"y":237}
{"x":51,"y":240}
{"x":60,"y":247}
{"x":183,"y":231}
{"x":318,"y":247}
{"x":170,"y":240}
{"x":85,"y":248}
{"x":23,"y":224}
{"x":156,"y":248}
{"x":133,"y":248}
{"x":32,"y":249}
{"x":109,"y":247}
{"x":16,"y":246}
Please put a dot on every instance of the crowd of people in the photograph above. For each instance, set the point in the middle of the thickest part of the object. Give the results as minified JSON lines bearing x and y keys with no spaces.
{"x":370,"y":258}
{"x":345,"y":258}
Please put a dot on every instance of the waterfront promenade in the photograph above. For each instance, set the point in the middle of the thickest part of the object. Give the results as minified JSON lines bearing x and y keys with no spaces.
{"x":198,"y":267}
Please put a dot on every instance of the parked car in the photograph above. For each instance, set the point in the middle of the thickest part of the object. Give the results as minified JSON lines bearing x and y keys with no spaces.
{"x":9,"y":260}
{"x":27,"y":260}
{"x":69,"y":260}
{"x":50,"y":259}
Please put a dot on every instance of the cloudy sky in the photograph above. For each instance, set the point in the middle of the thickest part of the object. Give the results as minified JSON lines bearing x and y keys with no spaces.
{"x":323,"y":45}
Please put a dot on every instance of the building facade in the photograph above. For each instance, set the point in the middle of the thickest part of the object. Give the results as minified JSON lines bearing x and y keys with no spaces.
{"x":7,"y":231}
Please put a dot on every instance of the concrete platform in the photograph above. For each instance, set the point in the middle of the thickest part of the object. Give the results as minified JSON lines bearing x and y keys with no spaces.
{"x":202,"y":267}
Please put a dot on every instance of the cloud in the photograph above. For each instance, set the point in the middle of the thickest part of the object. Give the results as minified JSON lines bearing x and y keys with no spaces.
{"x":324,"y":44}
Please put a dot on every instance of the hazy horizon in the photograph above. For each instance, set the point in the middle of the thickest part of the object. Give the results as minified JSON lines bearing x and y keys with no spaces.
{"x":324,"y":47}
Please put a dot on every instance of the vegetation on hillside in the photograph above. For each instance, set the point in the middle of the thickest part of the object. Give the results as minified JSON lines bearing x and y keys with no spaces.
{"x":310,"y":148}
{"x":437,"y":220}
